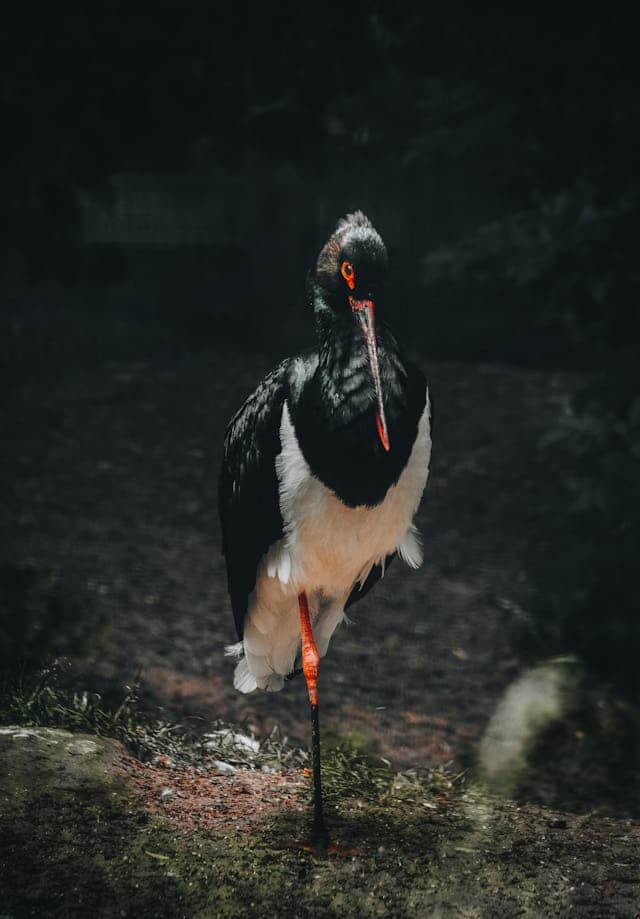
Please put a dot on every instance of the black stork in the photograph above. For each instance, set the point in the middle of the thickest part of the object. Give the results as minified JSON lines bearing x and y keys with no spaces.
{"x":324,"y":467}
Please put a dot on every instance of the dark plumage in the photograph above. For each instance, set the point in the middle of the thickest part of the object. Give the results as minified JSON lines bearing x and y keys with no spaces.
{"x":335,"y":414}
{"x":248,"y":481}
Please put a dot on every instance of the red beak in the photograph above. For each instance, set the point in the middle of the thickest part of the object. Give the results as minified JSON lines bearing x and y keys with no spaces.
{"x":364,"y":311}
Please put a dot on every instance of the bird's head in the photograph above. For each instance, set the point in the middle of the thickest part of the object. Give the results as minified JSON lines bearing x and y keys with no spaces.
{"x":352,"y":265}
{"x":347,"y":285}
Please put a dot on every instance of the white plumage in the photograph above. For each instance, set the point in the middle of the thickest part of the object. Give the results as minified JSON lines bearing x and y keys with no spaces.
{"x":326,"y":549}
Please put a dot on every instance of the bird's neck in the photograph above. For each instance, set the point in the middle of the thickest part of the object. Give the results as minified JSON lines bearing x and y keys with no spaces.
{"x":335,"y":416}
{"x":343,"y":376}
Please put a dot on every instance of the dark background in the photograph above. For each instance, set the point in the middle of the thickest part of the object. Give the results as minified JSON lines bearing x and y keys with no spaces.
{"x":185,"y":166}
{"x":168,"y":178}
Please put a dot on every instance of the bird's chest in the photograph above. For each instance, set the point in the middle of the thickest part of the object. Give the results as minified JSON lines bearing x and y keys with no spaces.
{"x":329,"y":543}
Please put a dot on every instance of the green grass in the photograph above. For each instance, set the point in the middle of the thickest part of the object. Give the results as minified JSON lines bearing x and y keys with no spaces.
{"x":351,"y":770}
{"x":34,"y":699}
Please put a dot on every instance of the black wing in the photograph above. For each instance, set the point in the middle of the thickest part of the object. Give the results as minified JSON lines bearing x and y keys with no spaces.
{"x":248,"y":487}
{"x":372,"y":578}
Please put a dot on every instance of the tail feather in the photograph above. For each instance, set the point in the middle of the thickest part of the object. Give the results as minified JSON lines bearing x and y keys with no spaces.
{"x":410,"y":549}
{"x":243,"y":679}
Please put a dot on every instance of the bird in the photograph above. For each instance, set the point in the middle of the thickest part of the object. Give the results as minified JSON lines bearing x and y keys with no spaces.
{"x":323,"y":470}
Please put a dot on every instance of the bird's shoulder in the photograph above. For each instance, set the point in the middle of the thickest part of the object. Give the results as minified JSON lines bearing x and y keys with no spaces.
{"x":262,"y":409}
{"x":257,"y":410}
{"x":251,"y":443}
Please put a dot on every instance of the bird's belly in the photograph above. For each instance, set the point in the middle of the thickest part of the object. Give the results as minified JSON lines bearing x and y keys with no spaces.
{"x":332,"y":546}
{"x":325,"y":551}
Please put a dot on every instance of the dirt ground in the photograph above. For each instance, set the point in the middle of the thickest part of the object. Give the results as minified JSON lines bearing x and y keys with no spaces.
{"x":87,"y":831}
{"x":110,"y":475}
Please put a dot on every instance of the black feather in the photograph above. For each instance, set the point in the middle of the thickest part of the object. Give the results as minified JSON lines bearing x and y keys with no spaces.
{"x":334,"y":416}
{"x":372,"y":578}
{"x":248,"y":487}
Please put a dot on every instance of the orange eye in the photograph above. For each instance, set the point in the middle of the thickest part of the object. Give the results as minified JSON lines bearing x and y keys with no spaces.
{"x":347,"y":272}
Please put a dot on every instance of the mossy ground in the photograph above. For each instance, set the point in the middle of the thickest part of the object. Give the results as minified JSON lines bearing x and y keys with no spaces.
{"x":75,"y":841}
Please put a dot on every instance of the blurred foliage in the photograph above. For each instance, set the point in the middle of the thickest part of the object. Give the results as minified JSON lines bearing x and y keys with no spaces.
{"x":523,"y":102}
{"x":43,"y":616}
{"x":586,"y":575}
{"x":571,"y":264}
{"x":588,"y":760}
{"x":567,"y":267}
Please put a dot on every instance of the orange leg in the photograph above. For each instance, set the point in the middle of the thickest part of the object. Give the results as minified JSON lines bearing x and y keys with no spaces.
{"x":310,"y":656}
{"x":310,"y":667}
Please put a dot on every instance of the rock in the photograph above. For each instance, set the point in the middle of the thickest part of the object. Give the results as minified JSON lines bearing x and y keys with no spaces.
{"x":36,"y":734}
{"x":249,"y":743}
{"x":222,"y":767}
{"x":82,"y":747}
{"x":231,"y":739}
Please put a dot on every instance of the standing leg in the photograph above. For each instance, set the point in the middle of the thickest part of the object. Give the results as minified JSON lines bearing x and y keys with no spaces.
{"x":310,"y":665}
